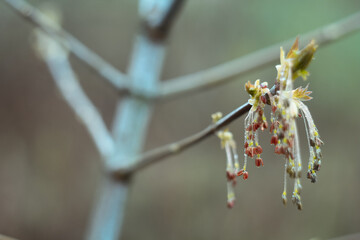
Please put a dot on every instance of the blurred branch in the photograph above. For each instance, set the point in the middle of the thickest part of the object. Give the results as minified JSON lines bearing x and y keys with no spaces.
{"x":103,"y":68}
{"x":159,"y":21}
{"x":132,"y":117}
{"x":355,"y":236}
{"x":160,"y":153}
{"x":56,"y":57}
{"x":2,"y":237}
{"x":243,"y":65}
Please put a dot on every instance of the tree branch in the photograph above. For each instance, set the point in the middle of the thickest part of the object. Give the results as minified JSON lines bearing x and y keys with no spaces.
{"x":56,"y":57}
{"x":160,"y":153}
{"x":130,"y":124}
{"x":243,"y":65}
{"x":101,"y":67}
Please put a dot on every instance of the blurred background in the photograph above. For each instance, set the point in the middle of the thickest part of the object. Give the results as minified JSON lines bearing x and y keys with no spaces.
{"x":49,"y":167}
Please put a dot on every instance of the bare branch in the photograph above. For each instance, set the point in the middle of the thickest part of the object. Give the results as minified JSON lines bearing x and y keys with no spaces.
{"x":243,"y":65}
{"x":56,"y":57}
{"x":160,"y":153}
{"x":101,"y":67}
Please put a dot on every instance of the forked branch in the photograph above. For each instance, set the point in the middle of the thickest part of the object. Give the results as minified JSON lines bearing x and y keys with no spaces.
{"x":56,"y":58}
{"x":94,"y":61}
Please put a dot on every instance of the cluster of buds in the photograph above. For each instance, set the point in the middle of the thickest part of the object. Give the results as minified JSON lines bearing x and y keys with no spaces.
{"x":254,"y":121}
{"x":286,"y":106}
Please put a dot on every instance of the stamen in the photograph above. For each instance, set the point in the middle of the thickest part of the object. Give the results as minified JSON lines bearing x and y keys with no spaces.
{"x":284,"y":197}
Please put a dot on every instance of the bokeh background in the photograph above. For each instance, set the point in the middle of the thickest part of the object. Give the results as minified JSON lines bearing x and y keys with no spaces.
{"x":49,"y":167}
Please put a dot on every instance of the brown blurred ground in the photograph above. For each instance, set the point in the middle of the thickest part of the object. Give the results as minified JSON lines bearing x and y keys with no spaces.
{"x":49,"y":166}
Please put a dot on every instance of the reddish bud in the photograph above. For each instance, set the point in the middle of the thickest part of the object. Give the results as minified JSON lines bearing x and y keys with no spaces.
{"x":259,"y":162}
{"x":250,"y":151}
{"x":230,"y":204}
{"x":272,"y":127}
{"x":274,"y":140}
{"x":258,"y":150}
{"x":265,"y":125}
{"x":299,"y":115}
{"x":245,"y":175}
{"x":241,"y":172}
{"x":246,"y":145}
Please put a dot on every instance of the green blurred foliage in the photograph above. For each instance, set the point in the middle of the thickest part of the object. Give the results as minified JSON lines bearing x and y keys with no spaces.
{"x":49,"y":168}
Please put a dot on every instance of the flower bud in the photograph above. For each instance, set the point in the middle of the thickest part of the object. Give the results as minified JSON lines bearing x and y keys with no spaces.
{"x":245,"y":175}
{"x":302,"y":59}
{"x":259,"y":162}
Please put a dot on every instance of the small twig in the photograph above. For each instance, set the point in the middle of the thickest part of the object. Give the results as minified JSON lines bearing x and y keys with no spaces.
{"x":103,"y":68}
{"x":160,"y":153}
{"x":56,"y":57}
{"x":243,"y":65}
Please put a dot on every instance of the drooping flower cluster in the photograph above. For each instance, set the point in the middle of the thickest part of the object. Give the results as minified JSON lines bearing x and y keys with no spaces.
{"x":286,"y":106}
{"x":255,"y":120}
{"x":232,"y":163}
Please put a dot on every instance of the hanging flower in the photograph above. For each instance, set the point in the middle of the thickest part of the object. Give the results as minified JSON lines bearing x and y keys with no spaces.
{"x":286,"y":106}
{"x":232,"y":162}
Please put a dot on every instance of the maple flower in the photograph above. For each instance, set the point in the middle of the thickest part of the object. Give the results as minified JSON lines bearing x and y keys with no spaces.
{"x":287,"y":104}
{"x":254,"y":121}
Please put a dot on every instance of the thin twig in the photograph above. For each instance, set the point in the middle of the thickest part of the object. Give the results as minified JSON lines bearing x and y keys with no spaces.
{"x":103,"y":68}
{"x":243,"y":65}
{"x":56,"y":57}
{"x":160,"y":153}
